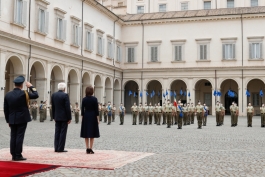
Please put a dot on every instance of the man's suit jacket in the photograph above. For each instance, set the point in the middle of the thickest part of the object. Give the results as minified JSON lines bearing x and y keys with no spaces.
{"x":15,"y":106}
{"x":61,"y":110}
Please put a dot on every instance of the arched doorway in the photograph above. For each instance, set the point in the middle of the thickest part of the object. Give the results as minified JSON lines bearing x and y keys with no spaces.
{"x":155,"y":87}
{"x":108,"y":90}
{"x":38,"y":79}
{"x":72,"y":87}
{"x":117,"y":93}
{"x":98,"y":88}
{"x":178,"y":86}
{"x":254,"y":86}
{"x":226,"y":86}
{"x":56,"y":78}
{"x":134,"y":97}
{"x":85,"y":83}
{"x":203,"y":93}
{"x":14,"y":68}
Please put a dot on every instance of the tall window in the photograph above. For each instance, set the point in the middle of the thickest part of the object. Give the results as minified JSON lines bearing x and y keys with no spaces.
{"x":20,"y":12}
{"x":43,"y":22}
{"x":255,"y":99}
{"x":118,"y":53}
{"x":130,"y":54}
{"x":76,"y":35}
{"x":184,"y":6}
{"x":162,"y":8}
{"x":154,"y":53}
{"x":229,"y":51}
{"x":110,"y":49}
{"x":178,"y":53}
{"x":254,"y":3}
{"x":230,"y":3}
{"x":100,"y":45}
{"x":203,"y":52}
{"x":207,"y":4}
{"x":89,"y":41}
{"x":255,"y":50}
{"x":61,"y":29}
{"x":140,"y":9}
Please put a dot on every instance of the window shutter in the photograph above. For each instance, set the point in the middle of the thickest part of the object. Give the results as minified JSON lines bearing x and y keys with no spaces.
{"x":234,"y":51}
{"x":15,"y":11}
{"x":132,"y":54}
{"x":180,"y":53}
{"x":73,"y":34}
{"x":39,"y":20}
{"x":156,"y":53}
{"x":58,"y":28}
{"x":120,"y":54}
{"x":103,"y":47}
{"x":79,"y":37}
{"x":260,"y":50}
{"x":109,"y":50}
{"x":250,"y":51}
{"x":205,"y":52}
{"x":64,"y":30}
{"x":99,"y":45}
{"x":24,"y":14}
{"x":201,"y":52}
{"x":92,"y":42}
{"x":152,"y":53}
{"x":88,"y":40}
{"x":176,"y":53}
{"x":129,"y":54}
{"x":46,"y":22}
{"x":224,"y":51}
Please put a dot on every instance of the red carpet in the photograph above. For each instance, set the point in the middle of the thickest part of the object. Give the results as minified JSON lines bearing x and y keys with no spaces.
{"x":8,"y":169}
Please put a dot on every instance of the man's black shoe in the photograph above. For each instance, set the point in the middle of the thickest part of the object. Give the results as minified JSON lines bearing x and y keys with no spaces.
{"x":63,"y":151}
{"x":19,"y":159}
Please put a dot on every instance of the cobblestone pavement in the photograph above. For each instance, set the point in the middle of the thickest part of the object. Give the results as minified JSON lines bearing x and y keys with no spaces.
{"x":211,"y":151}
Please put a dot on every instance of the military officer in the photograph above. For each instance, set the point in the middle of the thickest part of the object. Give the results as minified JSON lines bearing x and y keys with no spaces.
{"x":134,"y":110}
{"x":199,"y":112}
{"x":105,"y":112}
{"x":189,"y":114}
{"x":250,"y":112}
{"x":150,"y":113}
{"x":174,"y":115}
{"x":262,"y":115}
{"x":146,"y":111}
{"x":41,"y":111}
{"x":155,"y":113}
{"x":159,"y":113}
{"x":180,"y":115}
{"x":164,"y":114}
{"x":218,"y":114}
{"x":50,"y":111}
{"x":233,"y":112}
{"x":141,"y":113}
{"x":121,"y":113}
{"x":45,"y":109}
{"x":168,"y":113}
{"x":192,"y":112}
{"x":205,"y":110}
{"x":109,"y":112}
{"x":113,"y":112}
{"x":237,"y":113}
{"x":222,"y":113}
{"x":17,"y":116}
{"x":34,"y":107}
{"x":76,"y":111}
{"x":185,"y":112}
{"x":100,"y":111}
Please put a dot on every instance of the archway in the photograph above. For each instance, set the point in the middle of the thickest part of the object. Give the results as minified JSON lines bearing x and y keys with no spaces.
{"x":98,"y":88}
{"x":56,"y":78}
{"x":85,"y":83}
{"x":229,"y":84}
{"x":203,"y":93}
{"x":155,"y":87}
{"x":14,"y":68}
{"x":178,"y":86}
{"x":38,"y":79}
{"x":108,"y":90}
{"x":72,"y":87}
{"x":130,"y":99}
{"x":117,"y":93}
{"x":254,"y":86}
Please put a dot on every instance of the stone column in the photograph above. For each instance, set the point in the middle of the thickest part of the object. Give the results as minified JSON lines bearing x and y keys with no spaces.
{"x":2,"y":80}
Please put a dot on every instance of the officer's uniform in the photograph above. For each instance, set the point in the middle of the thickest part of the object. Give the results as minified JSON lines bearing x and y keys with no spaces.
{"x":205,"y":109}
{"x":169,"y":114}
{"x":16,"y":110}
{"x":159,"y":113}
{"x":262,"y":115}
{"x":76,"y":111}
{"x":45,"y":110}
{"x":222,"y":114}
{"x":113,"y":113}
{"x":134,"y":110}
{"x":233,"y":112}
{"x":141,"y":113}
{"x":42,"y":112}
{"x":218,"y":114}
{"x":155,"y":114}
{"x":250,"y":110}
{"x":146,"y":110}
{"x":185,"y":112}
{"x":174,"y":114}
{"x":180,"y":119}
{"x":199,"y":112}
{"x":34,"y":108}
{"x":189,"y":114}
{"x":121,"y":112}
{"x":164,"y":114}
{"x":109,"y":113}
{"x":192,"y":110}
{"x":105,"y":113}
{"x":150,"y":113}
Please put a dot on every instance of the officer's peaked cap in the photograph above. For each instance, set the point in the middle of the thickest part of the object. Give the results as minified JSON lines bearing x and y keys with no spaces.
{"x":19,"y":80}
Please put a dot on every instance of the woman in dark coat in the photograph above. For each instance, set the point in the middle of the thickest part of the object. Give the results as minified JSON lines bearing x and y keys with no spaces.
{"x":90,"y":119}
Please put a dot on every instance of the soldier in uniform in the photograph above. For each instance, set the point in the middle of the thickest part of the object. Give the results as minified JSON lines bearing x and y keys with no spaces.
{"x":76,"y":111}
{"x":121,"y":113}
{"x":113,"y":112}
{"x":218,"y":114}
{"x":250,"y":112}
{"x":174,"y":115}
{"x":237,"y":112}
{"x":134,"y":110}
{"x":34,"y":108}
{"x":41,"y":111}
{"x":164,"y":114}
{"x":16,"y":110}
{"x":199,"y":112}
{"x":185,"y":112}
{"x":168,"y":113}
{"x":105,"y":112}
{"x":109,"y":112}
{"x":189,"y":114}
{"x":155,"y":113}
{"x":222,"y":113}
{"x":150,"y":113}
{"x":50,"y":110}
{"x":205,"y":110}
{"x":233,"y":114}
{"x":141,"y":113}
{"x":159,"y":113}
{"x":192,"y":110}
{"x":45,"y":110}
{"x":146,"y":111}
{"x":180,"y":115}
{"x":262,"y":115}
{"x":100,"y":111}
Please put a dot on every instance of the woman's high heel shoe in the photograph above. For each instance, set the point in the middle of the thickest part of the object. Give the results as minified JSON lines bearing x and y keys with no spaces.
{"x":91,"y":151}
{"x":88,"y":151}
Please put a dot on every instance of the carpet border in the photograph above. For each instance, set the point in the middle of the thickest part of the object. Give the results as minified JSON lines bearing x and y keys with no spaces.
{"x":38,"y":171}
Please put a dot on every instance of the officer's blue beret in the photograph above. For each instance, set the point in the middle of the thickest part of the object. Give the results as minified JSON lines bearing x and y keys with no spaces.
{"x":19,"y":80}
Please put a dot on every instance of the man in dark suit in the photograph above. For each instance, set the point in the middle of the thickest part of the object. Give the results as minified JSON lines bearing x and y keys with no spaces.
{"x":61,"y":113}
{"x":16,"y":109}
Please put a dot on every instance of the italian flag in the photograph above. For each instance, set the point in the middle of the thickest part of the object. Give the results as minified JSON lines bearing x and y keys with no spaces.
{"x":175,"y":101}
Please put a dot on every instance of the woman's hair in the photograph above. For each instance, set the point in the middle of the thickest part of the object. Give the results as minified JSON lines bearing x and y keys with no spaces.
{"x":89,"y":91}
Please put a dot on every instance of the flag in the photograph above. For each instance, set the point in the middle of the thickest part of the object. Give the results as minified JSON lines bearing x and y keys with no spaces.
{"x":134,"y":94}
{"x":175,"y":94}
{"x":175,"y":99}
{"x":214,"y":93}
{"x":147,"y":94}
{"x":130,"y":92}
{"x":247,"y":93}
{"x":141,"y":94}
{"x":154,"y":93}
{"x":219,"y":94}
{"x":185,"y":93}
{"x":189,"y":94}
{"x":171,"y":93}
{"x":260,"y":93}
{"x":181,"y":92}
{"x":166,"y":93}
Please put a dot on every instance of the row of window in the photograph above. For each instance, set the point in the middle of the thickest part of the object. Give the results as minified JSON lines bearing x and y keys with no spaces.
{"x":206,"y":5}
{"x":228,"y":52}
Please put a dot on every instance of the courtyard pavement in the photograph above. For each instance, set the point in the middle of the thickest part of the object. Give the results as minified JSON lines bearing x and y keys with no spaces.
{"x":212,"y":151}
